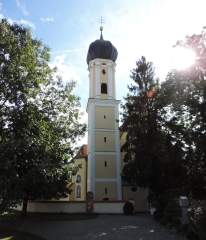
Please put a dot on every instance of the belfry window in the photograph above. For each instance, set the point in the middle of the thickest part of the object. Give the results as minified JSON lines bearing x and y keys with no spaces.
{"x":104,"y":88}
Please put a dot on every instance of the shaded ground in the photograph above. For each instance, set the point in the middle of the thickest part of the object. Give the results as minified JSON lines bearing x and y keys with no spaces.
{"x":138,"y":227}
{"x":10,"y":234}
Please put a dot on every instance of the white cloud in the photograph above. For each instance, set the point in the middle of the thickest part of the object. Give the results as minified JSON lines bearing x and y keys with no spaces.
{"x":22,"y":7}
{"x":65,"y":69}
{"x":0,"y":5}
{"x":1,"y":16}
{"x":22,"y":21}
{"x":30,"y":24}
{"x":47,"y":19}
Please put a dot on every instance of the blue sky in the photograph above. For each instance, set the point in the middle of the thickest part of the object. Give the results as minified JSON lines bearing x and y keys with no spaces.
{"x":135,"y":27}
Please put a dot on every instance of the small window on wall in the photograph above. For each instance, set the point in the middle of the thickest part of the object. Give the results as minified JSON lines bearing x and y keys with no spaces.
{"x":103,"y":71}
{"x":134,"y":189}
{"x":105,"y":139}
{"x":105,"y":163}
{"x":104,"y":117}
{"x":104,"y":88}
{"x":78,"y":191}
{"x":105,"y":190}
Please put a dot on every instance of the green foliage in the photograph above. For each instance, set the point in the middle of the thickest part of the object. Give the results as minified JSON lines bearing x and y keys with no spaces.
{"x":169,"y":200}
{"x":157,"y":215}
{"x":185,"y":96}
{"x":151,"y":158}
{"x":128,"y":208}
{"x":183,"y":229}
{"x":172,"y":209}
{"x":39,"y":121}
{"x":166,"y":124}
{"x":197,"y":213}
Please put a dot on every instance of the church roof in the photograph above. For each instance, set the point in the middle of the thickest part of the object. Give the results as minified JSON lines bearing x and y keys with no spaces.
{"x":102,"y":49}
{"x":82,"y":152}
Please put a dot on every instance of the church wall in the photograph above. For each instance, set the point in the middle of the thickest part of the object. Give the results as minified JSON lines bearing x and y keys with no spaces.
{"x":105,"y":166}
{"x":88,"y":174}
{"x":140,"y":198}
{"x":105,"y":117}
{"x":82,"y":172}
{"x":105,"y":190}
{"x":105,"y":141}
{"x":113,"y":83}
{"x":72,"y":196}
{"x":122,"y":141}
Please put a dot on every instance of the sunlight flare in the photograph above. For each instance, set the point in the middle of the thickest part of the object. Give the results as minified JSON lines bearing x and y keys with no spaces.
{"x":182,"y":58}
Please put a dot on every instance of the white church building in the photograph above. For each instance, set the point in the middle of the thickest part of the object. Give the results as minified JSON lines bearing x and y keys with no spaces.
{"x":101,"y":159}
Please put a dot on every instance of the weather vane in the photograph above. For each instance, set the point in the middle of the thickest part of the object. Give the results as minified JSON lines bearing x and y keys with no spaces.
{"x":102,"y":22}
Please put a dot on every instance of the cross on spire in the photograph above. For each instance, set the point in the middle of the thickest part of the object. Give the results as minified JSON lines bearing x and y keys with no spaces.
{"x":101,"y":28}
{"x":101,"y":21}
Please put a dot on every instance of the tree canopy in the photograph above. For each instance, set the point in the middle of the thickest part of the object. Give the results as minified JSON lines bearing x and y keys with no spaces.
{"x":166,"y":125}
{"x":39,"y":120}
{"x":149,"y":152}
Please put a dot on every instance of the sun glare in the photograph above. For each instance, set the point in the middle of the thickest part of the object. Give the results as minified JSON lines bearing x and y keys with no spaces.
{"x":182,"y":58}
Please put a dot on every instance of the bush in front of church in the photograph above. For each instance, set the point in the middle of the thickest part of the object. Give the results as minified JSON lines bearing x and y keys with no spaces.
{"x":128,"y":208}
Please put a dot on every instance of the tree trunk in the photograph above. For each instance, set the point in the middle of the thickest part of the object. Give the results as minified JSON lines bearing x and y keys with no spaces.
{"x":24,"y":207}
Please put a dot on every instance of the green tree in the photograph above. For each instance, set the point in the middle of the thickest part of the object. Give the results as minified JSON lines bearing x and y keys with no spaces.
{"x":39,"y":121}
{"x":185,"y":93}
{"x":152,"y":158}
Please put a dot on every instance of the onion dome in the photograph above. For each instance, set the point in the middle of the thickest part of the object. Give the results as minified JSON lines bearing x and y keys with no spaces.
{"x":101,"y":49}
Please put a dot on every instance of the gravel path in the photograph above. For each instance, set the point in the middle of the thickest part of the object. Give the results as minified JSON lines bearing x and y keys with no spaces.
{"x":138,"y":227}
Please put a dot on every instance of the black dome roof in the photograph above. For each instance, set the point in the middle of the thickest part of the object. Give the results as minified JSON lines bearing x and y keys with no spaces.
{"x":101,"y":49}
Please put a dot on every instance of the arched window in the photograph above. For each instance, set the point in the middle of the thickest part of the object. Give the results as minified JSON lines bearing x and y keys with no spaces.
{"x":104,"y":88}
{"x":78,"y":192}
{"x":78,"y":180}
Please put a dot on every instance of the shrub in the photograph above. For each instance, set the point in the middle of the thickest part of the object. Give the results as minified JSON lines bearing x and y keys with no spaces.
{"x":183,"y":229}
{"x":172,"y":209}
{"x":157,"y":215}
{"x":197,"y":212}
{"x":163,"y":221}
{"x":128,"y":208}
{"x":163,"y":199}
{"x":176,"y":222}
{"x":192,"y":236}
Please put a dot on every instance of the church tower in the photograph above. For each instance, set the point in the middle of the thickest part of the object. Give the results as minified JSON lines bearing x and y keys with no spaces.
{"x":104,"y":165}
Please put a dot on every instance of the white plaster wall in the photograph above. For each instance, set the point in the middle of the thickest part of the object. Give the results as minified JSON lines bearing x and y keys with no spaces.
{"x":50,"y":207}
{"x":57,"y":207}
{"x":75,"y":207}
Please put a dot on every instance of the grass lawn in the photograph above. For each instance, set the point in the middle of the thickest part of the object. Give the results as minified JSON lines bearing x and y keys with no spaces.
{"x":15,"y":215}
{"x":9,"y":234}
